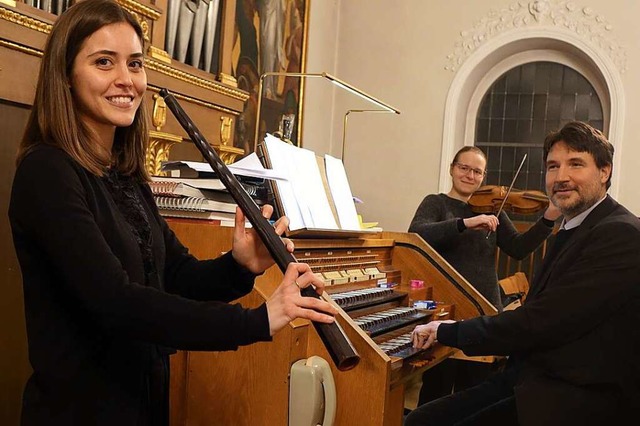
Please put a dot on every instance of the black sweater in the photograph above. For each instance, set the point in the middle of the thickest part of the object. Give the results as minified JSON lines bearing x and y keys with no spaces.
{"x":96,"y":327}
{"x":469,"y":251}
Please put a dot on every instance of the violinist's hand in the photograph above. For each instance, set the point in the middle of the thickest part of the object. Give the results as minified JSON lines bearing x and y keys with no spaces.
{"x":287,"y":304}
{"x":552,"y":212}
{"x":424,"y":336}
{"x":248,"y":249}
{"x":482,"y":222}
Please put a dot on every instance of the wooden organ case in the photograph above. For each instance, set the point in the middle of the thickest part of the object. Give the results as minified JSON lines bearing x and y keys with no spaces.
{"x":251,"y":386}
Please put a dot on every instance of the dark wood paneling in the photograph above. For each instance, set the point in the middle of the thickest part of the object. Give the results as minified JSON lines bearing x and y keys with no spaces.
{"x":14,"y":365}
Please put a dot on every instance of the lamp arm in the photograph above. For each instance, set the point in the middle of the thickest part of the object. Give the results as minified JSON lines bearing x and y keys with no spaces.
{"x":342,"y":84}
{"x":345,"y":121}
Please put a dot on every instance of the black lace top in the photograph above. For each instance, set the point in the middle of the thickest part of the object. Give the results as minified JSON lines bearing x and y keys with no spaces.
{"x":124,"y":193}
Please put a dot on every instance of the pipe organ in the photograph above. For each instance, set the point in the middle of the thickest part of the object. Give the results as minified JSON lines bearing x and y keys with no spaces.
{"x":368,"y":280}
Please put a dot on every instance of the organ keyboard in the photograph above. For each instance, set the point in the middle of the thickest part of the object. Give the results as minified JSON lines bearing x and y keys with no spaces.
{"x":368,"y":280}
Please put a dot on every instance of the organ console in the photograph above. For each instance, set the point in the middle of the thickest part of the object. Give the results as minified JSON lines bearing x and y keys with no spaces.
{"x":250,"y":386}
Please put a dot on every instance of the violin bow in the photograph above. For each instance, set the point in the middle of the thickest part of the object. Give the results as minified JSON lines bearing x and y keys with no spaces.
{"x":504,"y":200}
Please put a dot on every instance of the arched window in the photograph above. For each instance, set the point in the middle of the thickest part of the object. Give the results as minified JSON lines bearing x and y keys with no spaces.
{"x":527,"y":49}
{"x":520,"y":108}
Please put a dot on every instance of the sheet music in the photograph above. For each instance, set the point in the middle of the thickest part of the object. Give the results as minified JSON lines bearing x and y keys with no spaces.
{"x":312,"y":191}
{"x":249,"y":166}
{"x":305,"y":197}
{"x":341,"y":193}
{"x":279,"y":161}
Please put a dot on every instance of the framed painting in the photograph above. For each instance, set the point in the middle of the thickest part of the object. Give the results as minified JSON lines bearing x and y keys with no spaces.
{"x":271,"y":36}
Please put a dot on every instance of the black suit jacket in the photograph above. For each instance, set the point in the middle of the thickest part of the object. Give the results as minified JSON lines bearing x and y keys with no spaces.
{"x":575,"y":343}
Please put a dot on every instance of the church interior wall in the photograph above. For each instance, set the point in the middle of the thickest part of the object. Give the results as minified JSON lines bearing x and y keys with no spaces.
{"x":398,"y":52}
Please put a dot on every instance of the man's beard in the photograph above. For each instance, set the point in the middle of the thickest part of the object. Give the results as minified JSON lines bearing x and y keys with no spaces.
{"x":581,"y":203}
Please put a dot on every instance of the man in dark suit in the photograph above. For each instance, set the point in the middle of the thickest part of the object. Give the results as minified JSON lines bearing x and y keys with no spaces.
{"x":573,"y":347}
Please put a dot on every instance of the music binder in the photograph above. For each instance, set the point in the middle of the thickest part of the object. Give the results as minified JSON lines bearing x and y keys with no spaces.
{"x":291,"y":198}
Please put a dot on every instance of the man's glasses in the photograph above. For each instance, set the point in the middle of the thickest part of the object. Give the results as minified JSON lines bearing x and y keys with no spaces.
{"x":467,"y":169}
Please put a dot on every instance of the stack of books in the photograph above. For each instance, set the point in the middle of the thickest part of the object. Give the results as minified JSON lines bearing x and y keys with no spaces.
{"x":193,"y":191}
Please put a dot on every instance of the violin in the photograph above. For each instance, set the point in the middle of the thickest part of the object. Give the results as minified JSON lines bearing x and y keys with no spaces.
{"x":488,"y":199}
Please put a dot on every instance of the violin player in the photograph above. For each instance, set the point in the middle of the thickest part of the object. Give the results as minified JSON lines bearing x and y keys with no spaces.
{"x":449,"y":224}
{"x":573,"y":345}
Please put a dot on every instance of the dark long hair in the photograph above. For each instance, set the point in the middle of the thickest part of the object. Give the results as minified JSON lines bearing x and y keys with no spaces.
{"x":54,"y":120}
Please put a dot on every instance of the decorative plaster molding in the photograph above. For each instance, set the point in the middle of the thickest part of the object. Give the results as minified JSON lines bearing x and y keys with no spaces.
{"x":583,"y":21}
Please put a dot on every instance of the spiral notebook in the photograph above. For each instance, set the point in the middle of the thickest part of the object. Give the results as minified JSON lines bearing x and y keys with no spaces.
{"x":203,"y":188}
{"x":181,"y":189}
{"x":194,"y":204}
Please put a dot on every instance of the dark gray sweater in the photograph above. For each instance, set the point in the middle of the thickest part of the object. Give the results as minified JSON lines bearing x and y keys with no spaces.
{"x":469,"y":251}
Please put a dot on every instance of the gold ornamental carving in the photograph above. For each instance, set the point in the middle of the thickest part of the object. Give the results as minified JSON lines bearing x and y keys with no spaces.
{"x":144,"y":25}
{"x":225,"y":130}
{"x":160,"y":144}
{"x":197,"y":101}
{"x":159,"y":54}
{"x":20,"y":48}
{"x":134,"y":6}
{"x":196,"y":81}
{"x":159,"y":116}
{"x":228,"y":154}
{"x":25,"y":21}
{"x":582,"y":20}
{"x":227,"y":79}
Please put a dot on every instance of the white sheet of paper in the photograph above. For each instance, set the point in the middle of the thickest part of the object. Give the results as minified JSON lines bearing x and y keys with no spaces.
{"x":252,"y":167}
{"x":249,"y":166}
{"x":341,"y":193}
{"x":280,"y":161}
{"x":309,"y":181}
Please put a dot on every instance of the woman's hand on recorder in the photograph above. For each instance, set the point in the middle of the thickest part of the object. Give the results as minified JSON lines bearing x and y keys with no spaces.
{"x":248,"y":249}
{"x":286,"y":303}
